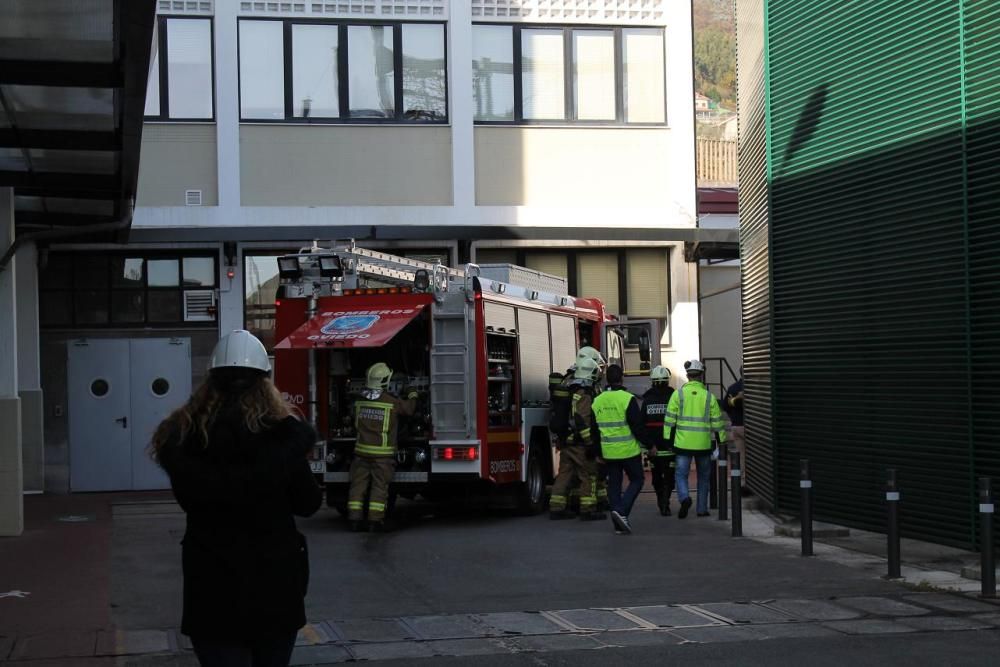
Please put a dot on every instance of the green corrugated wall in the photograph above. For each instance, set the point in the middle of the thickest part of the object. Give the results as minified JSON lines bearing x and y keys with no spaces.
{"x":876,"y":232}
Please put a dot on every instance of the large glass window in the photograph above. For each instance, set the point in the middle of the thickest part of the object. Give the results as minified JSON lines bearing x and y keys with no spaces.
{"x":315,"y":87}
{"x":342,"y":72}
{"x":262,"y":72}
{"x":181,"y":80}
{"x":117,"y":291}
{"x":493,"y":72}
{"x":568,"y":75}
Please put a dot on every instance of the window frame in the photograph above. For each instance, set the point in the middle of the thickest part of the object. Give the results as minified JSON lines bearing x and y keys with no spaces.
{"x":162,"y":67}
{"x":110,"y":289}
{"x":569,"y":78}
{"x":343,"y":69}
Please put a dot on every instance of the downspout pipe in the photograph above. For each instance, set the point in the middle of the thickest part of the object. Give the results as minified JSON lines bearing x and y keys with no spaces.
{"x":67,"y":232}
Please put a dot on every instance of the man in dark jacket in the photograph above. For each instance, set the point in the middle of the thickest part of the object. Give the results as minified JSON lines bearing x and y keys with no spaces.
{"x":660,"y":454}
{"x":732,"y":403}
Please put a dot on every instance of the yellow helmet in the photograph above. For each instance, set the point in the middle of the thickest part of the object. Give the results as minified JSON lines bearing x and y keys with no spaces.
{"x":378,"y":376}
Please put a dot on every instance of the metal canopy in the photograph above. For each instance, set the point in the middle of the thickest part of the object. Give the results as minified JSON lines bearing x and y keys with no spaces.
{"x":72,"y":92}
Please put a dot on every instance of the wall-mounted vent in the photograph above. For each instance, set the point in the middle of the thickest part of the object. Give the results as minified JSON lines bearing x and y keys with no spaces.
{"x":404,"y":9}
{"x":185,"y":7}
{"x":573,"y":11}
{"x":199,"y":305}
{"x":192,"y":197}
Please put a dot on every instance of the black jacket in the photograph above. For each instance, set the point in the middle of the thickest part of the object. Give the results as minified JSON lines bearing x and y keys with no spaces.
{"x":246,"y":568}
{"x":654,"y":407}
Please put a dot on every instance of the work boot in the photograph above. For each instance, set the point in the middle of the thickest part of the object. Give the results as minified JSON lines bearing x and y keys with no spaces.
{"x":704,"y":514}
{"x":603,"y":505}
{"x":559,"y":515}
{"x":665,"y":508}
{"x":593,"y":516}
{"x":685,"y":506}
{"x":355,"y":526}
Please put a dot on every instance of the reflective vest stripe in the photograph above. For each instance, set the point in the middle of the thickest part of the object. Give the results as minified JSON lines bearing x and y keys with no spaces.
{"x":617,"y":438}
{"x":613,"y":424}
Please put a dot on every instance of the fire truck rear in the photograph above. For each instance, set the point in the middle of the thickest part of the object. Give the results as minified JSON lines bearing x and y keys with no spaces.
{"x":478,"y":345}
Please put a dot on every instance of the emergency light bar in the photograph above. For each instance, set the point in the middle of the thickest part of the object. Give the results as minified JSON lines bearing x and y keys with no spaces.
{"x":376,"y":290}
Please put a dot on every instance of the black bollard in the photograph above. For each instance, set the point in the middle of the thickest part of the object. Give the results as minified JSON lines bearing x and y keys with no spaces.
{"x":713,"y":489}
{"x":735,"y":473}
{"x":723,"y":468}
{"x":892,"y":500}
{"x":805,"y":484}
{"x":987,"y":563}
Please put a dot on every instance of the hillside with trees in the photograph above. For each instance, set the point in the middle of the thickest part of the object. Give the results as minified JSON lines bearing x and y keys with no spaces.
{"x":715,"y":51}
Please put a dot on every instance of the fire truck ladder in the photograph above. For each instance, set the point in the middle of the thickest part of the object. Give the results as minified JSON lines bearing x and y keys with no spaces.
{"x":395,"y":269}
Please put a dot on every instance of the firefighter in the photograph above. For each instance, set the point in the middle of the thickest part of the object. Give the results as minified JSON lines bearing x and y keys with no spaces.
{"x":577,"y":459}
{"x":588,"y":352}
{"x":693,"y":415}
{"x":661,"y":456}
{"x":376,"y":419}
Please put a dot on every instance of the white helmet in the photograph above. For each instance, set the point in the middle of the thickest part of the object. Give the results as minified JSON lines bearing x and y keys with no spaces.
{"x":694,"y":367}
{"x":240,"y":349}
{"x":659,"y":374}
{"x":587,"y":352}
{"x":587,"y":371}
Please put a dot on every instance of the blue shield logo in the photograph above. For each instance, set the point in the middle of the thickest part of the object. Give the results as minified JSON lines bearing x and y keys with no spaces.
{"x":349,"y":324}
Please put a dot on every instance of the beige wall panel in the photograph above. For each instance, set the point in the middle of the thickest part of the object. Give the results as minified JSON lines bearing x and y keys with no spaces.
{"x":597,"y":275}
{"x":174,"y":158}
{"x":647,"y":283}
{"x":721,"y":318}
{"x":551,"y":263}
{"x":559,"y":166}
{"x":283,"y":165}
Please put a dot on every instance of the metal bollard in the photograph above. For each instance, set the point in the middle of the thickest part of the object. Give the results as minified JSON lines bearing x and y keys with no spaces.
{"x":987,"y":563}
{"x":723,"y":487}
{"x":892,"y":500}
{"x":735,"y":473}
{"x":713,"y":489}
{"x":805,"y":484}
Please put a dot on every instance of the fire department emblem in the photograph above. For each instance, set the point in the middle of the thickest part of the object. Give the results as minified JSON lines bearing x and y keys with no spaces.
{"x":349,"y":324}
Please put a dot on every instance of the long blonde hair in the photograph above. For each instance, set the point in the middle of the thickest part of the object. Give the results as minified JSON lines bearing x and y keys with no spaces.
{"x":261,"y":406}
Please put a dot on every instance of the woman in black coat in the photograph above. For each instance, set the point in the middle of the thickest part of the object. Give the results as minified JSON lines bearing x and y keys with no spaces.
{"x":236,"y":457}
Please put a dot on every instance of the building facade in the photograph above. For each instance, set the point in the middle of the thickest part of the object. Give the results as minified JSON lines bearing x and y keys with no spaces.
{"x":868,"y":213}
{"x":555,"y":134}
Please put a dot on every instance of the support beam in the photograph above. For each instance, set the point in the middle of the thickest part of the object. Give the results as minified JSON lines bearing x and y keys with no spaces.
{"x":60,"y":219}
{"x":52,"y":179}
{"x":11,"y":484}
{"x":68,"y":140}
{"x":29,"y":374}
{"x":61,"y":73}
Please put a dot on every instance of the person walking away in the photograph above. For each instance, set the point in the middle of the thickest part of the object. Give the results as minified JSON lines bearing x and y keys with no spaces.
{"x":693,"y":416}
{"x":661,"y":456}
{"x":733,"y":403}
{"x":376,"y":420}
{"x":236,"y":458}
{"x":621,"y":427}
{"x":578,"y":458}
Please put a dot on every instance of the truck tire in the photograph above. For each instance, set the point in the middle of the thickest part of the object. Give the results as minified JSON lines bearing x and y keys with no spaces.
{"x":531,"y":492}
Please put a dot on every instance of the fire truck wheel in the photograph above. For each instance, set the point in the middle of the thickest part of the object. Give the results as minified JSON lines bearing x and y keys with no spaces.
{"x":531,"y":493}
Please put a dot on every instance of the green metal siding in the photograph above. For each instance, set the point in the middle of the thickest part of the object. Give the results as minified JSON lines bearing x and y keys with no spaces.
{"x":882,"y":155}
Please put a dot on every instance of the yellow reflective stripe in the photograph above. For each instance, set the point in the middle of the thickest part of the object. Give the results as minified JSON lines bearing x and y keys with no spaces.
{"x":376,"y":506}
{"x":355,"y":505}
{"x":374,"y":450}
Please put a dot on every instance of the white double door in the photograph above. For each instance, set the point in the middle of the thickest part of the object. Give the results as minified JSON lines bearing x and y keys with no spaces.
{"x":119,"y":391}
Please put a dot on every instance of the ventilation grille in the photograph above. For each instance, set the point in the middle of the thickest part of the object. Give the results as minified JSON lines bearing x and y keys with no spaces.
{"x":399,"y":9}
{"x":185,"y":7}
{"x":192,"y":197}
{"x":576,"y":11}
{"x":199,"y":305}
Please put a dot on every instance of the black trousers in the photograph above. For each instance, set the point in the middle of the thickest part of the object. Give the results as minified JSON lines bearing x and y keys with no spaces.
{"x":263,"y":652}
{"x":662,"y":468}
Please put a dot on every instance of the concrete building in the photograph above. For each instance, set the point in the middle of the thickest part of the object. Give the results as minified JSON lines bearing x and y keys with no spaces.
{"x":557,"y":135}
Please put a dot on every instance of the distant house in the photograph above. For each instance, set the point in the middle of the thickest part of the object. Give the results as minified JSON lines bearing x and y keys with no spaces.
{"x":702,"y":103}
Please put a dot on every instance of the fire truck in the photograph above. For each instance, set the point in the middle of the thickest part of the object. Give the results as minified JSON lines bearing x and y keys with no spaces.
{"x":477,"y":343}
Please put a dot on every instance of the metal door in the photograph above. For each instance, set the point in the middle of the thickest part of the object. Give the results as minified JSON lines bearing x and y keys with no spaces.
{"x":100,"y":442}
{"x":161,"y":382}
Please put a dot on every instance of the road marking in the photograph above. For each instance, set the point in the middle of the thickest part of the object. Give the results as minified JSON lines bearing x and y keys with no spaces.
{"x":15,"y":594}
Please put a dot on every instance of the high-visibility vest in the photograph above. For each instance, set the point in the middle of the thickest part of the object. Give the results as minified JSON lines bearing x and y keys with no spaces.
{"x":374,"y":411}
{"x":694,"y":413}
{"x":617,"y":440}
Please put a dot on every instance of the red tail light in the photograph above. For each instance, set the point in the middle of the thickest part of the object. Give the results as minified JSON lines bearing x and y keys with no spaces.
{"x":456,"y":454}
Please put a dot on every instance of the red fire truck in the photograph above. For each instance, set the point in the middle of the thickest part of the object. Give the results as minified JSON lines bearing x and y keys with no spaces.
{"x":477,"y":343}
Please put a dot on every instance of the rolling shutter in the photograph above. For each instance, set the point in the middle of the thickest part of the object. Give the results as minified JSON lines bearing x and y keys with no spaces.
{"x":551,"y":263}
{"x":597,"y":276}
{"x":648,"y":295}
{"x":496,"y":256}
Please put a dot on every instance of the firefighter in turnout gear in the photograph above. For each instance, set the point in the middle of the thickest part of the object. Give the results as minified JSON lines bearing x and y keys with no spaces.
{"x":577,"y":459}
{"x":693,"y":416}
{"x":376,"y":418}
{"x":588,"y":352}
{"x":660,"y":454}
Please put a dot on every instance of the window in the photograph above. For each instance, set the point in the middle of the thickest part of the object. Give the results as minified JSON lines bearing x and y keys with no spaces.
{"x":181,"y":78}
{"x":123,"y":291}
{"x":337,"y":72}
{"x":607,"y":75}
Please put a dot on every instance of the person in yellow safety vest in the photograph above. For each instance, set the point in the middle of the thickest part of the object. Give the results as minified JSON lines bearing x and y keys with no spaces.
{"x":693,"y":416}
{"x":577,"y":459}
{"x":376,"y":419}
{"x":622,"y":430}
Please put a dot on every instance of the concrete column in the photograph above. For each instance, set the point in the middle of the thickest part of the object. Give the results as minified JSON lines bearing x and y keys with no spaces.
{"x":29,"y":386}
{"x":11,"y":486}
{"x":684,"y":321}
{"x":227,"y":100}
{"x":463,"y":152}
{"x":231,"y":298}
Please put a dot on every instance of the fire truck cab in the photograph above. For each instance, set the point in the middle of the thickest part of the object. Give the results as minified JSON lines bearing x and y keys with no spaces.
{"x":478,"y":344}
